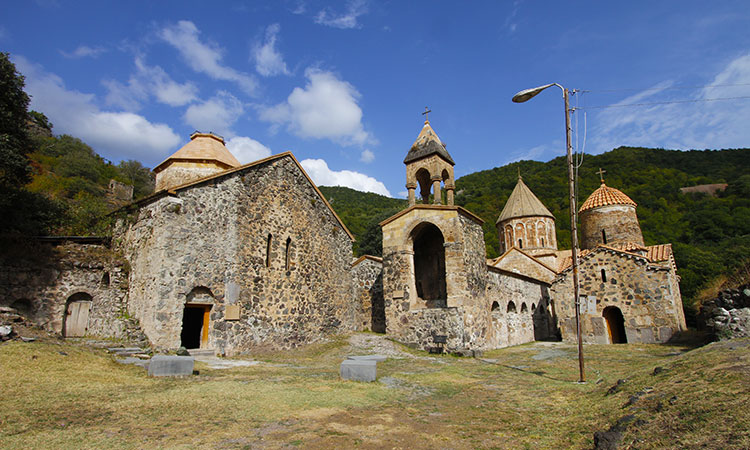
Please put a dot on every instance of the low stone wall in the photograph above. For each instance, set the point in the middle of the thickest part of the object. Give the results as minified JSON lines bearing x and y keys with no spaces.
{"x":367,"y":282}
{"x":39,"y":278}
{"x":424,"y":324}
{"x":728,"y":315}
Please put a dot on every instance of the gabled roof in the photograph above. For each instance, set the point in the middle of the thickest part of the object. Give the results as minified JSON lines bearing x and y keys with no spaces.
{"x":202,"y":147}
{"x":427,"y":143}
{"x":605,"y":196}
{"x":523,"y":203}
{"x":376,"y":259}
{"x":520,"y":262}
{"x":459,"y":209}
{"x":173,"y":190}
{"x":567,"y":263}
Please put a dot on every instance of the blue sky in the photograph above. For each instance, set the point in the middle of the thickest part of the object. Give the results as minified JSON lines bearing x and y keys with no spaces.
{"x":343,"y":84}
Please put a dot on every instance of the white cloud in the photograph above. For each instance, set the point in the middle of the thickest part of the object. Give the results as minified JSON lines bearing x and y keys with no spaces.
{"x":216,"y":114}
{"x":246,"y":149}
{"x":204,"y":57}
{"x":688,"y":122}
{"x":149,"y":81}
{"x":354,"y":9}
{"x":115,"y":135}
{"x":268,"y":61}
{"x":367,"y":156}
{"x":323,"y":176}
{"x":325,"y":108}
{"x":83,"y":51}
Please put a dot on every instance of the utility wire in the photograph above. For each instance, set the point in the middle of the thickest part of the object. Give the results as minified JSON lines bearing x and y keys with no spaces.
{"x":664,"y":88}
{"x":617,"y":105}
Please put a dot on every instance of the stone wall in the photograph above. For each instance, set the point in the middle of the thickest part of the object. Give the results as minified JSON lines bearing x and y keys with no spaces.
{"x":728,"y":315}
{"x":646,"y":294}
{"x":367,"y":282}
{"x":515,"y":324}
{"x":214,"y":235}
{"x":181,"y":172}
{"x":38,"y":278}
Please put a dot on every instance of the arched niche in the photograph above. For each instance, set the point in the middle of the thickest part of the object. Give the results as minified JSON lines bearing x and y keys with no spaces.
{"x":429,"y":265}
{"x":425,"y":184}
{"x":615,"y":325}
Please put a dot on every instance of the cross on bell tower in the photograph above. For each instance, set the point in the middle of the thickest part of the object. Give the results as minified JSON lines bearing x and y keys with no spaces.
{"x":428,"y":164}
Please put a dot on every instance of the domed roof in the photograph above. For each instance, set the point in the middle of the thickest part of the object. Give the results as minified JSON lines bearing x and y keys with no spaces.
{"x":427,"y":143}
{"x":605,"y":196}
{"x":523,"y":203}
{"x":202,"y":147}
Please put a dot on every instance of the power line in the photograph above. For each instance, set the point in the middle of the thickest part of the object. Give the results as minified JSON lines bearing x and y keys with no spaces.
{"x":617,"y":105}
{"x":663,"y":88}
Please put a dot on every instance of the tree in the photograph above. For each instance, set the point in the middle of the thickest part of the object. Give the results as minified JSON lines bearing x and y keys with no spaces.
{"x":14,"y":139}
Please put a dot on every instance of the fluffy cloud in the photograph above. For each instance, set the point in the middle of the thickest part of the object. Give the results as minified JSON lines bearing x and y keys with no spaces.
{"x":268,"y":61}
{"x":326,"y":108}
{"x":679,"y":118}
{"x":83,"y":51}
{"x":367,"y":156}
{"x":216,"y":114}
{"x":204,"y":57}
{"x":246,"y":149}
{"x":115,"y":135}
{"x":149,"y":81}
{"x":354,"y":9}
{"x":323,"y":176}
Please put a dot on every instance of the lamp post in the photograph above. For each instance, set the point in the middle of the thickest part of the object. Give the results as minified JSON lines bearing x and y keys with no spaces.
{"x":521,"y":97}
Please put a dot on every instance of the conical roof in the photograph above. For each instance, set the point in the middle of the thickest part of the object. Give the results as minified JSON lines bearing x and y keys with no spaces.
{"x":523,"y":203}
{"x":427,"y":143}
{"x":203,"y":147}
{"x":605,"y":196}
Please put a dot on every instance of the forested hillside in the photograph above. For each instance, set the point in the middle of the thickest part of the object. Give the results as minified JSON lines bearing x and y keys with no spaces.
{"x":710,"y":235}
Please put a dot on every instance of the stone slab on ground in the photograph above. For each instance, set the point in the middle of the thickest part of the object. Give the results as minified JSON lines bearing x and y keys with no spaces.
{"x":376,"y":358}
{"x":135,"y":361}
{"x":358,"y":369}
{"x":170,"y":366}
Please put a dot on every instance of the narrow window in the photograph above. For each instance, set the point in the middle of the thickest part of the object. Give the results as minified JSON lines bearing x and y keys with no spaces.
{"x":287,"y":258}
{"x":268,"y":249}
{"x":524,"y":308}
{"x":520,"y":243}
{"x":604,"y":237}
{"x":495,"y":306}
{"x":511,"y":307}
{"x":604,"y":276}
{"x":542,"y":242}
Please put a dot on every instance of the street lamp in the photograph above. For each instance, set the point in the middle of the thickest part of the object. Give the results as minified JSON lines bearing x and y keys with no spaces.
{"x":521,"y":97}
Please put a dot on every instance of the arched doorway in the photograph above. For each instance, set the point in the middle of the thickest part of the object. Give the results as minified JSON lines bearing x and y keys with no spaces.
{"x":196,"y":318}
{"x":429,"y":265}
{"x":615,"y":325}
{"x":76,"y":317}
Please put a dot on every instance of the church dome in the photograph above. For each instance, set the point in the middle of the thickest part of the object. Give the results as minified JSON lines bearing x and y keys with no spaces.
{"x":606,"y":196}
{"x":523,"y":203}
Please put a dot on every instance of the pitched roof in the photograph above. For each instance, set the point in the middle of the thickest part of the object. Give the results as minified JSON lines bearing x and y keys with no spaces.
{"x":427,"y":143}
{"x":523,"y":203}
{"x":202,"y":147}
{"x":605,"y":196}
{"x":173,"y":190}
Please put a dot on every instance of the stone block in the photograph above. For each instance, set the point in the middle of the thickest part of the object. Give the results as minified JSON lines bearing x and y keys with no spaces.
{"x":232,"y":312}
{"x":171,"y":366}
{"x":358,"y":369}
{"x":376,"y":358}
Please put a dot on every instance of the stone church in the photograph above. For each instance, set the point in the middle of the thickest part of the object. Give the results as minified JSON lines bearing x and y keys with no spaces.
{"x":230,"y":258}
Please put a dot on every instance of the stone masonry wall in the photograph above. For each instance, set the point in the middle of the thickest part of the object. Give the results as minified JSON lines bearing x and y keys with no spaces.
{"x":214,"y":236}
{"x":367,"y":282}
{"x":506,"y":328}
{"x":39,"y":277}
{"x":644,"y":292}
{"x":619,"y":222}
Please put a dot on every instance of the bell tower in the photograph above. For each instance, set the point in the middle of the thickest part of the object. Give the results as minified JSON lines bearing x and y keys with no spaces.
{"x":428,"y":164}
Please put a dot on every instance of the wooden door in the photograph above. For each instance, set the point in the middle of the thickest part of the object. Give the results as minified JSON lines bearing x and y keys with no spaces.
{"x":77,"y":318}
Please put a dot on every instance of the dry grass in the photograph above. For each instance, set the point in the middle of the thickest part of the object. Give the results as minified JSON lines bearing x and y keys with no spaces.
{"x":521,"y":397}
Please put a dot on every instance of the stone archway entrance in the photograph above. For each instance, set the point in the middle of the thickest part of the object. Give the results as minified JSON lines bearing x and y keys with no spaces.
{"x":76,"y":318}
{"x":615,"y":325}
{"x":429,"y":265}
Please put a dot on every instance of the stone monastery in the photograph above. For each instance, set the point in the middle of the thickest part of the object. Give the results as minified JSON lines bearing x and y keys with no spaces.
{"x":232,"y":258}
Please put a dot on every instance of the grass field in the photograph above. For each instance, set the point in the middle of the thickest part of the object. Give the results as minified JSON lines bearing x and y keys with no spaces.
{"x":58,"y":394}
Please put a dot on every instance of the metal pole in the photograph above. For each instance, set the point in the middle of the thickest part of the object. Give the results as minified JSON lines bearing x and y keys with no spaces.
{"x":573,"y":234}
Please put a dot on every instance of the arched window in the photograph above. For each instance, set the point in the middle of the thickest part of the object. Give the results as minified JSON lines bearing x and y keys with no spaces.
{"x":533,"y":307}
{"x":268,"y":250}
{"x":495,"y":306}
{"x":508,"y":237}
{"x":425,"y":184}
{"x":287,"y":258}
{"x":520,"y":243}
{"x":604,"y":236}
{"x":524,"y":308}
{"x":520,"y":234}
{"x":511,"y":307}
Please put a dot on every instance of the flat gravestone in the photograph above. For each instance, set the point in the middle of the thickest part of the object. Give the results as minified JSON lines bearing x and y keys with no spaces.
{"x":376,"y":358}
{"x":358,"y":369}
{"x":170,"y":366}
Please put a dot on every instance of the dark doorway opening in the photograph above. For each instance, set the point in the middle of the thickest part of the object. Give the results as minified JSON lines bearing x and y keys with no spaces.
{"x":429,"y":265}
{"x":615,"y":325}
{"x":195,"y":326}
